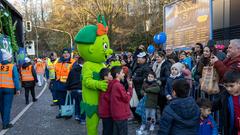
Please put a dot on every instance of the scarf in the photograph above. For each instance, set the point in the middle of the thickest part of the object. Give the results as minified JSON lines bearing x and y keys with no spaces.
{"x":157,"y":68}
{"x":175,"y":76}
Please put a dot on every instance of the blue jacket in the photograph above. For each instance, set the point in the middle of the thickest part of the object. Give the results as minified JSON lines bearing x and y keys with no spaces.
{"x":168,"y":87}
{"x":180,"y":117}
{"x":16,"y":79}
{"x":208,"y":126}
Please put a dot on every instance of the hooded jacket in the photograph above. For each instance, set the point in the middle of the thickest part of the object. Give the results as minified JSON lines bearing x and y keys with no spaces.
{"x":27,"y":84}
{"x":181,"y":116}
{"x":152,"y":89}
{"x":74,"y":81}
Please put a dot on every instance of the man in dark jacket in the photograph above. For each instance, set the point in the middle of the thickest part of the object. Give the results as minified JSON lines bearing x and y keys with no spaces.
{"x":140,"y":73}
{"x":171,"y":55}
{"x":62,"y":69}
{"x":74,"y":84}
{"x":182,"y":115}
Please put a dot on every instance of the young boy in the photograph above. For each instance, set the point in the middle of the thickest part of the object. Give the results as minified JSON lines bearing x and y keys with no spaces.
{"x":181,"y":116}
{"x":207,"y":124}
{"x":104,"y":103}
{"x":151,"y":89}
{"x":120,"y":98}
{"x":229,"y":103}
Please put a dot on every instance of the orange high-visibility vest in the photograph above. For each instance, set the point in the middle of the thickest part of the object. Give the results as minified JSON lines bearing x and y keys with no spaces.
{"x":63,"y":69}
{"x":27,"y":74}
{"x":40,"y":68}
{"x":6,"y":76}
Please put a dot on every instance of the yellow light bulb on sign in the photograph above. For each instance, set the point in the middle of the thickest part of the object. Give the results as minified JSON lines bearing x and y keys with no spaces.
{"x":202,"y":18}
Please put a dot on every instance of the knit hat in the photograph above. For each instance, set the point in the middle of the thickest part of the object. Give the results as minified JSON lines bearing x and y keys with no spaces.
{"x":178,"y":66}
{"x":6,"y":55}
{"x":66,"y":49}
{"x":27,"y":60}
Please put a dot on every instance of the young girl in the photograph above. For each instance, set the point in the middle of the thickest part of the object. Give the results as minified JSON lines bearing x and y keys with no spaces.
{"x":104,"y":103}
{"x":176,"y":73}
{"x":151,"y":89}
{"x":119,"y":105}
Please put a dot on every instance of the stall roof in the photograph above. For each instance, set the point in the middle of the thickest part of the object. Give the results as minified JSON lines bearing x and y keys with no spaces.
{"x":6,"y":3}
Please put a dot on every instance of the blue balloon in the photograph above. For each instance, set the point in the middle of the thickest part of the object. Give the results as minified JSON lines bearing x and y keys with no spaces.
{"x":156,"y":39}
{"x":151,"y":49}
{"x":163,"y":37}
{"x":160,"y":38}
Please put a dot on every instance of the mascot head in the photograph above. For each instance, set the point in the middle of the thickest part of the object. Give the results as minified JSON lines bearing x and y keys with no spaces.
{"x":93,"y":43}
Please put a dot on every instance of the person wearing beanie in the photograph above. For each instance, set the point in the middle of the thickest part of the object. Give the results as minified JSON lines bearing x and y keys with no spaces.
{"x":9,"y":80}
{"x":51,"y":76}
{"x":176,"y":73}
{"x":29,"y":78}
{"x":62,"y":69}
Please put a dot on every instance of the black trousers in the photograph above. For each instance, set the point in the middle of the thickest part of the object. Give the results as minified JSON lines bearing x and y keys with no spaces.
{"x":27,"y":90}
{"x":120,"y":127}
{"x":107,"y":126}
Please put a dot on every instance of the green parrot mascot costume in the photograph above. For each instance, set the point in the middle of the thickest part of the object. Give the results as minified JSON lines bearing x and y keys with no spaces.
{"x":93,"y":46}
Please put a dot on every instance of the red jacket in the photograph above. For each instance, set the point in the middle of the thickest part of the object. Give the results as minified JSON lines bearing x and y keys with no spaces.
{"x":104,"y":102}
{"x":120,"y":98}
{"x":226,"y":65}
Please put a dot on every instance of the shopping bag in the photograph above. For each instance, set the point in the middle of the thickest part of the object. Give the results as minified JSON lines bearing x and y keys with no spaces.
{"x":134,"y":100}
{"x":68,"y":109}
{"x":209,"y":80}
{"x":140,"y":110}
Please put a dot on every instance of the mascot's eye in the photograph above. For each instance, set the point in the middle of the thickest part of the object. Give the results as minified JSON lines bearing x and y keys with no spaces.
{"x":105,"y":46}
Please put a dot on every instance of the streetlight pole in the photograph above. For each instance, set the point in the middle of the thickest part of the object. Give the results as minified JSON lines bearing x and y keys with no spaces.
{"x":57,"y":30}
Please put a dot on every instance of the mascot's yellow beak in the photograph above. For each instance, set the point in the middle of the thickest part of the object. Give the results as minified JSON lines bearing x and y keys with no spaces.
{"x":108,"y":52}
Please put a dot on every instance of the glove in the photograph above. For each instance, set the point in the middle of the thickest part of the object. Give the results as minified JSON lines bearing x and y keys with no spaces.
{"x":102,"y":85}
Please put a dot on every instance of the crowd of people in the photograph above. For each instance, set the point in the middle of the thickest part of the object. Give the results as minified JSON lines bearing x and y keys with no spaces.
{"x":168,"y":85}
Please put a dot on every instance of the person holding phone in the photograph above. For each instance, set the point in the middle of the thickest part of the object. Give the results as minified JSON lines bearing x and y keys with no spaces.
{"x":231,"y":62}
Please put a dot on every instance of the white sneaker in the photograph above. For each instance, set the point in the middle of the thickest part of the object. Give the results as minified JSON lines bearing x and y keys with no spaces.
{"x":151,"y":127}
{"x":142,"y":128}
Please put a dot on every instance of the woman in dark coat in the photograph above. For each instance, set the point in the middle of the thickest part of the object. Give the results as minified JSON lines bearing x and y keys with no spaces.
{"x":162,"y":69}
{"x":29,"y":85}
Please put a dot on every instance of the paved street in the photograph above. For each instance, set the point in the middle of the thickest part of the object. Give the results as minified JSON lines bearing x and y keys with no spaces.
{"x":39,"y":119}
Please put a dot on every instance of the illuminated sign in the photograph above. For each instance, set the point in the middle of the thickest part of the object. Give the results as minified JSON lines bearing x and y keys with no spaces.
{"x":187,"y":22}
